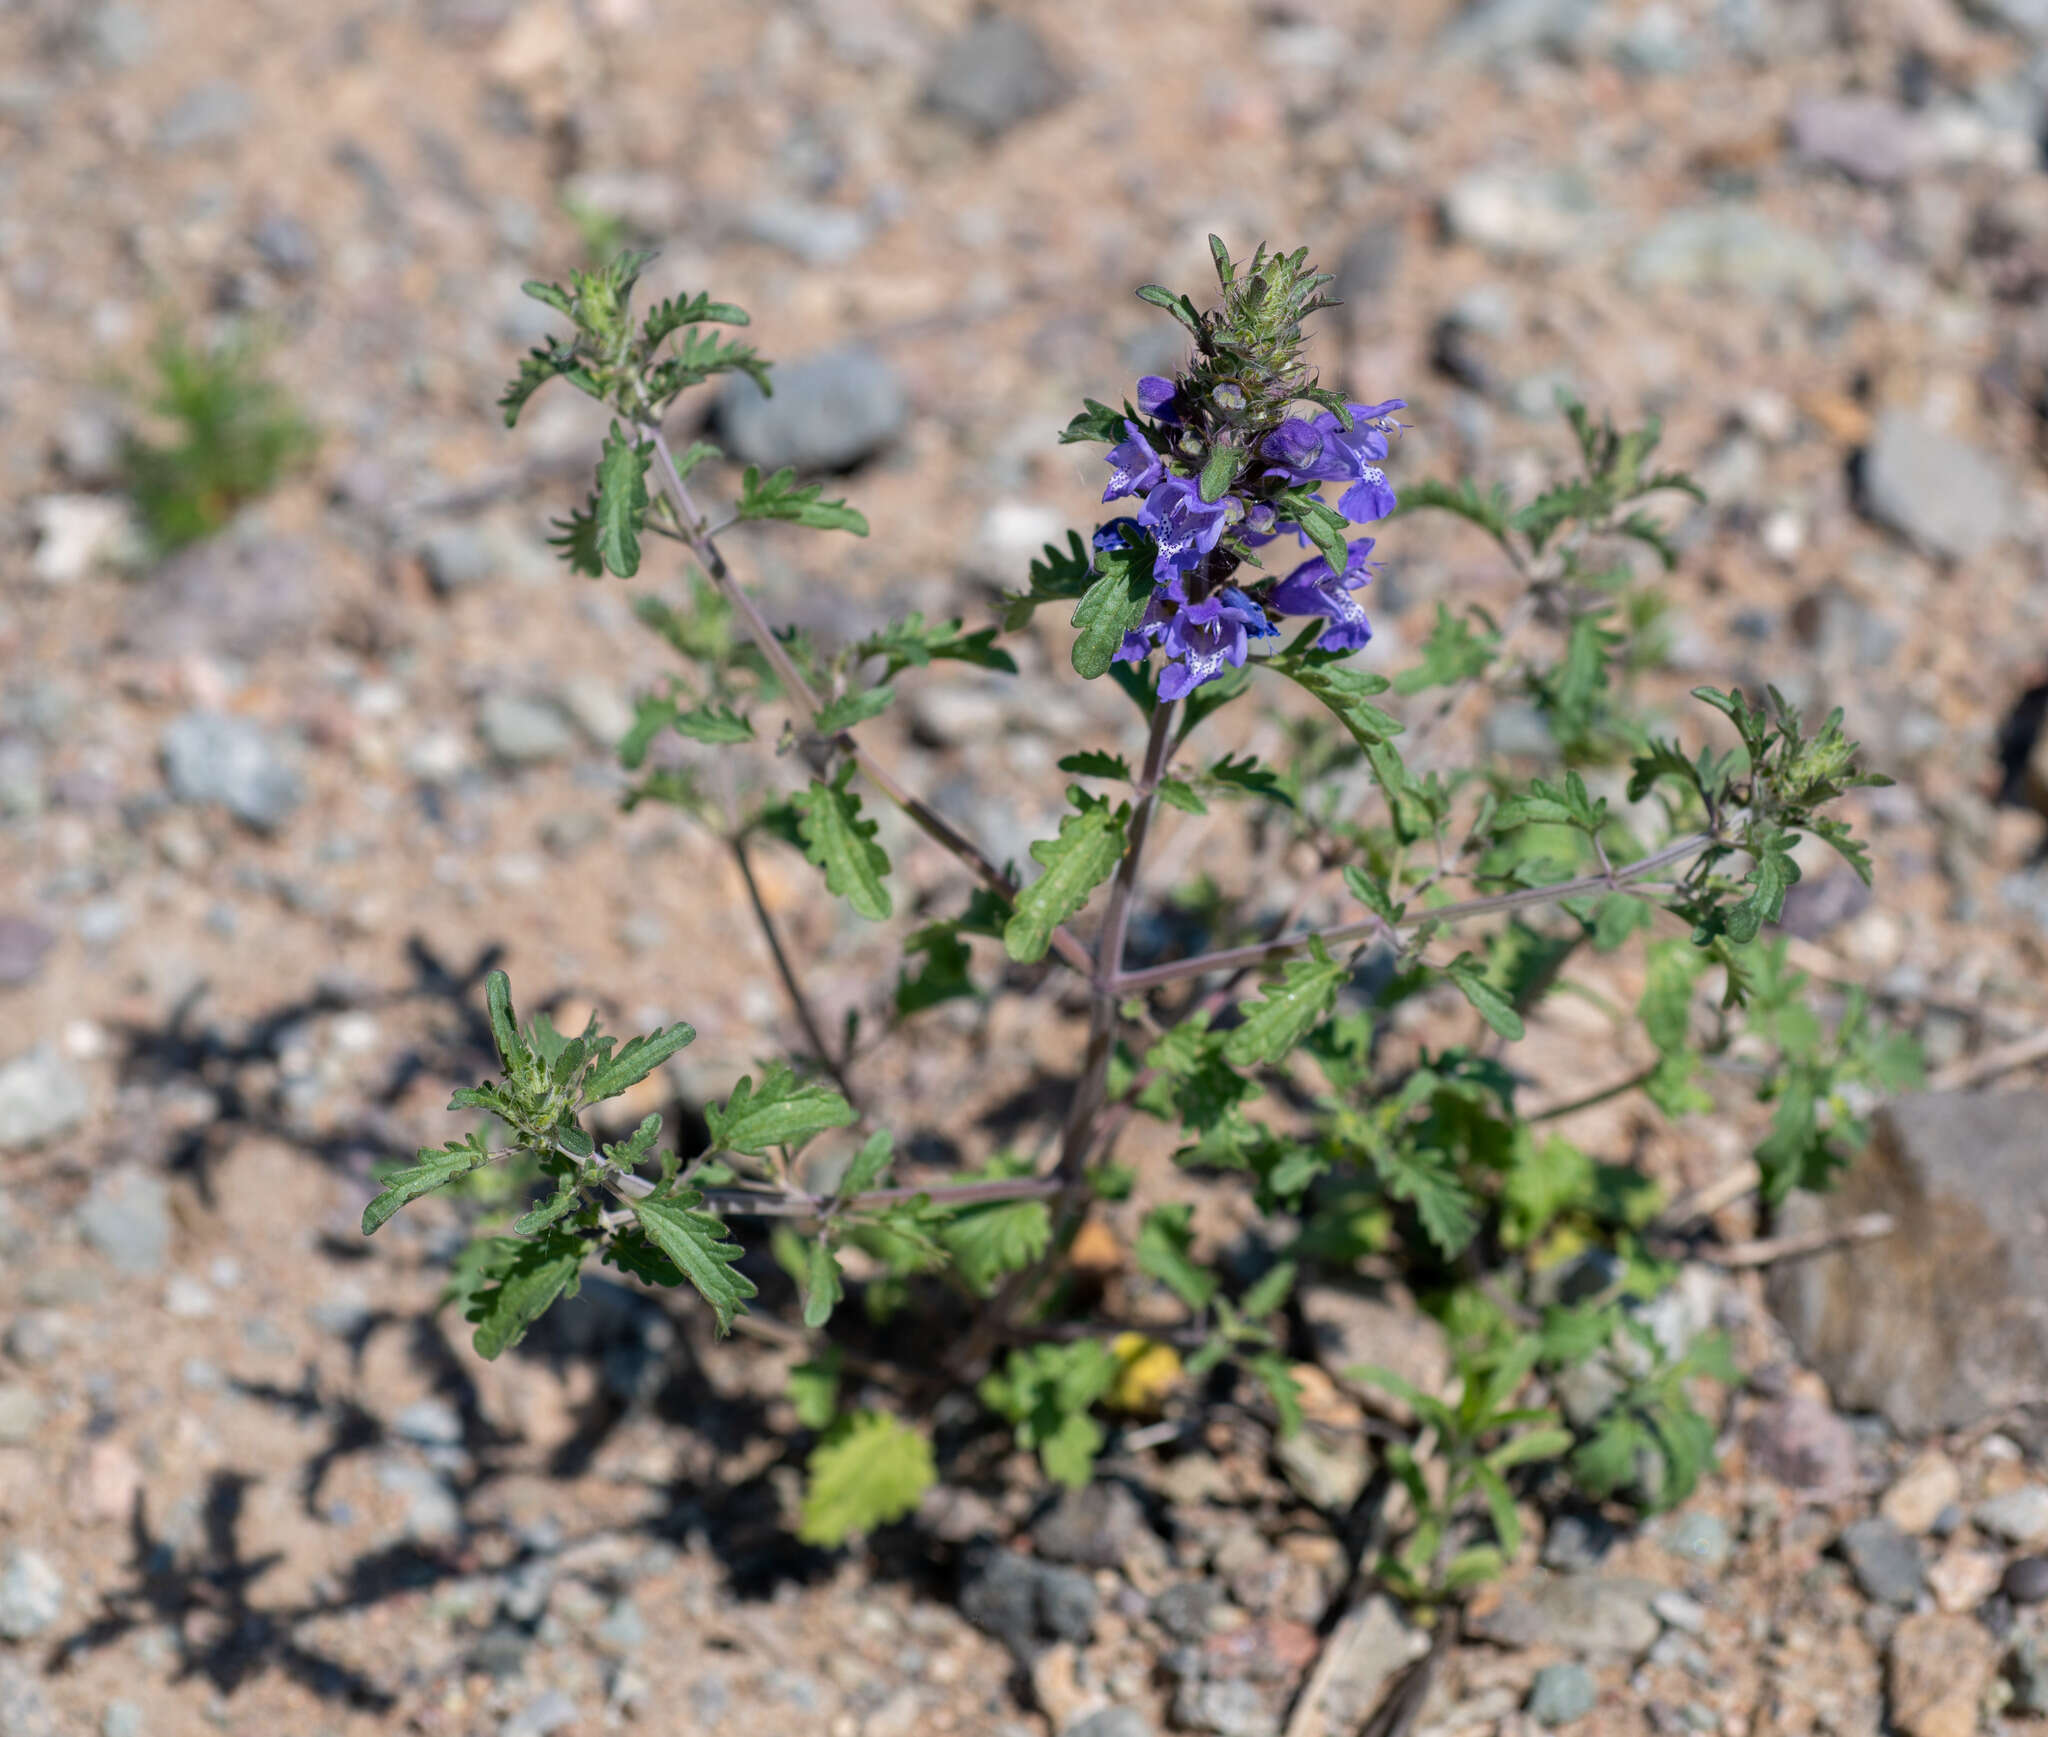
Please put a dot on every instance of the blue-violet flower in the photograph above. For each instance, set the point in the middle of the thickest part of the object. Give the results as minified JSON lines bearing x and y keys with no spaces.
{"x":1134,"y":466}
{"x":1312,"y":589}
{"x":1185,"y":526}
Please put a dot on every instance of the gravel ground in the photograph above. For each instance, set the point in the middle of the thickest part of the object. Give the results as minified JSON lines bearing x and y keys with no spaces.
{"x":268,"y":810}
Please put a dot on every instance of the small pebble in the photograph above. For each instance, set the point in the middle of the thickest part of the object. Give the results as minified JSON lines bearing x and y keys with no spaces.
{"x":2026,"y":1580}
{"x":1562,"y":1694}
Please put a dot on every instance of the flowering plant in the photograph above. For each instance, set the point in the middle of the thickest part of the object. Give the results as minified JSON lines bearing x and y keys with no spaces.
{"x":1352,"y":1074}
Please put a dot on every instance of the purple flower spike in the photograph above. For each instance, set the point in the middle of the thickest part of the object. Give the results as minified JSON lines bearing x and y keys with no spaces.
{"x":1312,"y":589}
{"x":1159,"y":397}
{"x":1206,"y":638}
{"x":1295,"y":446}
{"x":1325,"y":451}
{"x":1134,"y":466}
{"x":1185,"y":526}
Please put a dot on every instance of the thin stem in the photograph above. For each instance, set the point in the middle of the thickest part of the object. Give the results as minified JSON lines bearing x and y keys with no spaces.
{"x":703,"y":544}
{"x":1554,"y":1111}
{"x":833,"y":1065}
{"x":797,"y":1203}
{"x":1369,"y":928}
{"x":1109,"y":954}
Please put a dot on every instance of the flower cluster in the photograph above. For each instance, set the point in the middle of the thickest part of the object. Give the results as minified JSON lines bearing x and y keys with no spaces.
{"x":1225,"y":463}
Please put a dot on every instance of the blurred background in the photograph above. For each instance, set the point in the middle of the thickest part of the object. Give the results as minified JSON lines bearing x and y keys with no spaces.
{"x":302,"y":726}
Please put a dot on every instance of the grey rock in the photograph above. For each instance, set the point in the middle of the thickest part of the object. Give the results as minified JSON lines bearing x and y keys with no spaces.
{"x":816,"y":234}
{"x":1093,"y":1527}
{"x":432,"y":1422}
{"x":23,"y":1710}
{"x":1951,"y":498}
{"x":1735,"y":247}
{"x":993,"y":75}
{"x":2026,"y":1669}
{"x":1805,"y":1446}
{"x":285,"y":245}
{"x":1520,"y":214}
{"x":1516,"y":730}
{"x":2019,"y":1516}
{"x":624,"y":1629}
{"x":1946,"y":1326}
{"x":545,"y":1714}
{"x":1578,"y":1542}
{"x":87,"y":446}
{"x":1676,"y":1610}
{"x":1701,"y":1539}
{"x":121,"y":1719}
{"x":121,"y":36}
{"x":1183,"y":1609}
{"x":102,"y":922}
{"x":457,"y":557}
{"x":1868,"y":138}
{"x":829,"y":412}
{"x":1582,"y":1613}
{"x":213,"y":757}
{"x":21,"y":1414}
{"x":1369,"y":265}
{"x":23,"y":945}
{"x":500,"y":1651}
{"x":127,"y":1217}
{"x":1658,"y":43}
{"x":527,"y":1589}
{"x":1562,"y":1694}
{"x":2024,"y":18}
{"x":239,"y":594}
{"x":2026,"y":1580}
{"x":1230,"y":1708}
{"x":1885,"y":1561}
{"x":32,"y":1340}
{"x":432,"y":1512}
{"x":21,"y":776}
{"x":41,"y":1096}
{"x":31,"y":1596}
{"x":1328,"y":1469}
{"x":212,"y":113}
{"x":1111,"y":1722}
{"x":1501,"y":30}
{"x":523,"y":731}
{"x":1368,"y":1647}
{"x":1381,"y":1326}
{"x":1020,"y":1601}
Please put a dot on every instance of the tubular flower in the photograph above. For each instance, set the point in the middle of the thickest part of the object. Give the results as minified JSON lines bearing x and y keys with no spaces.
{"x":1312,"y":589}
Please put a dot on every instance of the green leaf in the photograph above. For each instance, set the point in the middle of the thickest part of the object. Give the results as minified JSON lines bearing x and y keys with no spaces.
{"x":1248,"y":777}
{"x":1431,"y":1411}
{"x":1545,"y":804}
{"x":1089,"y":846}
{"x":1276,"y":1376}
{"x":784,"y":1111}
{"x":1453,"y":653}
{"x":1045,"y":1392}
{"x":435,"y":1169}
{"x":1098,"y":422}
{"x":869,"y":1163}
{"x":512,"y":1051}
{"x":1289,"y":1011}
{"x":1003,"y":1236}
{"x":575,"y":540}
{"x":1770,"y":878}
{"x":1179,"y":306}
{"x":1110,"y":608}
{"x":843,"y":845}
{"x":851,"y":709}
{"x":1269,"y":1293}
{"x":639,"y":1058}
{"x":944,"y":977}
{"x":1094,"y":763}
{"x":1178,"y":793}
{"x":1374,"y":896}
{"x":621,"y":503}
{"x":696,"y":1242}
{"x":1545,"y":1178}
{"x":716,"y":722}
{"x":911,"y":644}
{"x":781,"y":496}
{"x":814,"y":1388}
{"x":1488,"y":511}
{"x":822,"y":1286}
{"x":1530,"y":1446}
{"x":670,"y":316}
{"x":1500,"y":1507}
{"x":1344,"y":690}
{"x":1164,"y":1240}
{"x":1468,"y":972}
{"x":1671,"y":970}
{"x":1429,"y":1180}
{"x":528,"y":1279}
{"x":556,"y":360}
{"x":564,"y":1201}
{"x":869,"y":1469}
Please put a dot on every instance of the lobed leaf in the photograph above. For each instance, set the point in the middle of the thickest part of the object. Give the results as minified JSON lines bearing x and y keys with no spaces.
{"x":698,"y":1245}
{"x":869,"y":1469}
{"x":783,"y":1111}
{"x":435,"y":1169}
{"x":841,"y":843}
{"x":1089,"y":846}
{"x":621,"y":501}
